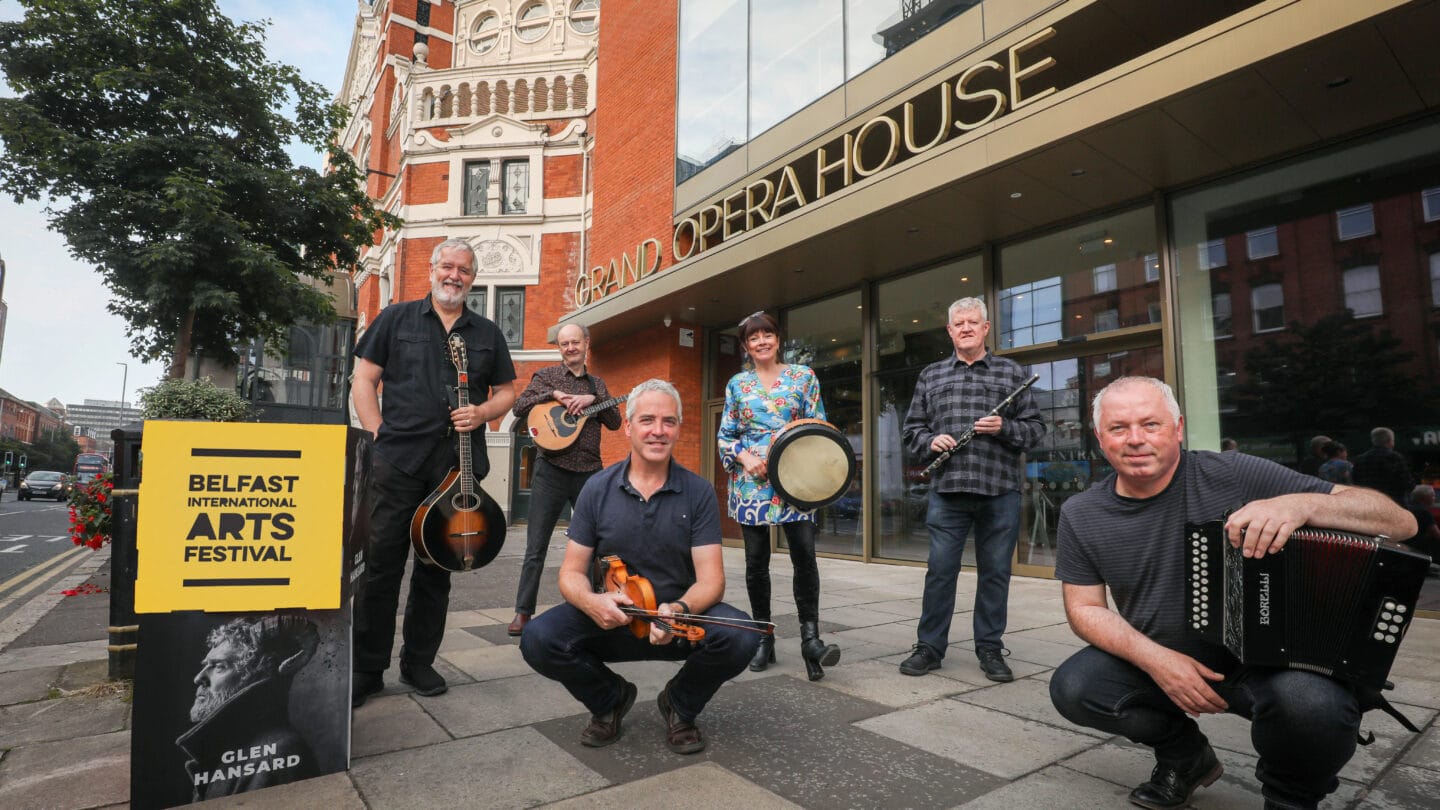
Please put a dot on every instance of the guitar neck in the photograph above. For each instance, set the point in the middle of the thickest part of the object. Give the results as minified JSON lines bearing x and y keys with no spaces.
{"x":467,"y":486}
{"x":600,"y":406}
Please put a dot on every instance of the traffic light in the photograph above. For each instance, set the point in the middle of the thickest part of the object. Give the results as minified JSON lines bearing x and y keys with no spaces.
{"x":9,"y":458}
{"x":22,"y":461}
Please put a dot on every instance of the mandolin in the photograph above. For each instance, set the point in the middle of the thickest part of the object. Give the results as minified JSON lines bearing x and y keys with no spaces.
{"x":458,"y":527}
{"x":554,"y":428}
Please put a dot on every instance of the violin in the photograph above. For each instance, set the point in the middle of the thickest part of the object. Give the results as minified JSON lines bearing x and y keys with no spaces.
{"x":618,"y":579}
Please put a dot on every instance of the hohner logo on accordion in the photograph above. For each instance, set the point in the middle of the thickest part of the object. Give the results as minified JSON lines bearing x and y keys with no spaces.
{"x":1331,"y":602}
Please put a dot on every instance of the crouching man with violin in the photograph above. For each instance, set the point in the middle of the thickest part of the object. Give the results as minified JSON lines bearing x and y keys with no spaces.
{"x":662,"y":597}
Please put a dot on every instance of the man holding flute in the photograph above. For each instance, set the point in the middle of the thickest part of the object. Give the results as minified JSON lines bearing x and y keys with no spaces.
{"x":978,"y":485}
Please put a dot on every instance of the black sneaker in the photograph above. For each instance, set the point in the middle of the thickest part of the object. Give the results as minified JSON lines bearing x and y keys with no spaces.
{"x":363,"y":685}
{"x":424,"y":678}
{"x":922,"y":659}
{"x":1170,"y":787}
{"x":992,"y":661}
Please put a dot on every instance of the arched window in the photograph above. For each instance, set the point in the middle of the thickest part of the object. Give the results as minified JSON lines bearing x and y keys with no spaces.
{"x":533,"y":21}
{"x":585,"y":16}
{"x":485,"y":33}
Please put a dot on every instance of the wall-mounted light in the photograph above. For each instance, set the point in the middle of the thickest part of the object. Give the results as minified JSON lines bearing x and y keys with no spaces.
{"x":666,"y":321}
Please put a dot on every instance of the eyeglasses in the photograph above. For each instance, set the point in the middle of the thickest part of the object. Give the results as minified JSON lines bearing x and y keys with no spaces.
{"x":757,"y":313}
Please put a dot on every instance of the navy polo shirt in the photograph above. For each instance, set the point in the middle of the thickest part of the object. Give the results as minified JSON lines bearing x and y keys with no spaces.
{"x":411,"y":346}
{"x":653,"y":538}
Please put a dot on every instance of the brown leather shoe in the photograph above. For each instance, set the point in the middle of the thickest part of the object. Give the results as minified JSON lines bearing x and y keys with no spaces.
{"x":681,"y":736}
{"x":606,"y":728}
{"x":517,"y":624}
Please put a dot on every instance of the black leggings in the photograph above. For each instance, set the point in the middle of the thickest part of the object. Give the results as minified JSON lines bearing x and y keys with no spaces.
{"x":800,"y":536}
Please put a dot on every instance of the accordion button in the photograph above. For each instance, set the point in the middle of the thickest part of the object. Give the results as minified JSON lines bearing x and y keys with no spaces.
{"x":1389,"y":639}
{"x":1387,"y":615}
{"x":1379,"y":636}
{"x":1389,"y":605}
{"x":1400,"y":608}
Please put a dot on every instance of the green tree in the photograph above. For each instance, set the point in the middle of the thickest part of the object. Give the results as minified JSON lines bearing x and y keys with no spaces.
{"x":194,"y":399}
{"x":1333,"y":374}
{"x":157,"y":129}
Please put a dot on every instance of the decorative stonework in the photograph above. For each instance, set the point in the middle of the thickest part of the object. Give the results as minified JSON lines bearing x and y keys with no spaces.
{"x":494,"y":257}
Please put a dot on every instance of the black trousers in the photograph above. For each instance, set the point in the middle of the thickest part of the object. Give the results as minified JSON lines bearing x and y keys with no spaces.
{"x":394,"y":496}
{"x":551,"y":488}
{"x":800,"y":537}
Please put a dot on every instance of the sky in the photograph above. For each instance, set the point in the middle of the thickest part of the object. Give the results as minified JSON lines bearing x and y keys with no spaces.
{"x":60,"y":340}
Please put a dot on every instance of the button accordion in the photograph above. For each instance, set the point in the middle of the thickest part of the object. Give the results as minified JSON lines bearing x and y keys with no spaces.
{"x":1330,"y":601}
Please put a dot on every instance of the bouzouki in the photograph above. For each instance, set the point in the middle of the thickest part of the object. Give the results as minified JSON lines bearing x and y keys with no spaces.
{"x":458,"y":527}
{"x":554,"y":428}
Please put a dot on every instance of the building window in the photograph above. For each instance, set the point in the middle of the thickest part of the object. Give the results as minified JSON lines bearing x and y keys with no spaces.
{"x":1262,"y":244}
{"x":1362,"y":291}
{"x":475,"y":300}
{"x":516,"y":192}
{"x":1353,"y":223}
{"x":477,"y":187}
{"x":1152,"y":267}
{"x":1154,"y":311}
{"x":485,"y":33}
{"x":1267,"y":304}
{"x":1430,"y":198}
{"x":1220,"y":312}
{"x":510,"y":315}
{"x":1107,"y":321}
{"x":1104,"y":276}
{"x":1435,"y":279}
{"x":1212,"y":254}
{"x":532,"y":22}
{"x":585,"y":16}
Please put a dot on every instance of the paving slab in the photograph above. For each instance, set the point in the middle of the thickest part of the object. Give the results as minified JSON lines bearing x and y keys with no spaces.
{"x":1405,"y":787}
{"x":489,"y":662}
{"x":456,"y":638}
{"x":76,"y":772}
{"x":62,"y":719}
{"x":83,"y":674}
{"x":480,"y":708}
{"x":1054,"y":787}
{"x":1027,"y":698}
{"x":1425,"y":753}
{"x":516,"y":767}
{"x":788,"y":738}
{"x":702,"y":787}
{"x":27,"y":685}
{"x":881,"y":683}
{"x":981,"y":738}
{"x":332,"y":792}
{"x":1059,"y":633}
{"x":17,"y":658}
{"x":392,"y":723}
{"x":960,"y":665}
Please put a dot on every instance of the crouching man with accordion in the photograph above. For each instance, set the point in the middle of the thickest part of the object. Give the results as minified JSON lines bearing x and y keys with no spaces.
{"x":1147,"y":671}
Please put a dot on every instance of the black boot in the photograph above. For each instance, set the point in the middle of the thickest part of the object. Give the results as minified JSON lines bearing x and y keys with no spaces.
{"x":764,"y":654}
{"x":817,"y":654}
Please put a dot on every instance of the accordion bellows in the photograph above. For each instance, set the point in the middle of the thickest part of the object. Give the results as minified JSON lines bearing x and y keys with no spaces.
{"x":1330,"y":601}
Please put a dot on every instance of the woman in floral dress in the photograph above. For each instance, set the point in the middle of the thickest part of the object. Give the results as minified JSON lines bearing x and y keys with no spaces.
{"x":759,"y":401}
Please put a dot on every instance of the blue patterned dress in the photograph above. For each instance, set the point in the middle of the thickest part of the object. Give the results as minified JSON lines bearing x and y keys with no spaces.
{"x":752,"y":418}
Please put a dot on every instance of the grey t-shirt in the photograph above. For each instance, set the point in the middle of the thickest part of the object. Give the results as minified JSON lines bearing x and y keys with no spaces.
{"x":1136,"y":546}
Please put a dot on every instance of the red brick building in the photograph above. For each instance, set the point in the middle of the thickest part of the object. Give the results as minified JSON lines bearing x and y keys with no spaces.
{"x":473,"y":120}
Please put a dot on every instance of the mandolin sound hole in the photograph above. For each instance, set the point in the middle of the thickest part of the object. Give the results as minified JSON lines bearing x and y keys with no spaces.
{"x":465,"y":503}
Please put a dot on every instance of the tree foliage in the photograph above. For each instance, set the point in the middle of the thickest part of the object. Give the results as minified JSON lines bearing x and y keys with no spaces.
{"x":158,"y":129}
{"x":194,"y":399}
{"x":1334,"y":374}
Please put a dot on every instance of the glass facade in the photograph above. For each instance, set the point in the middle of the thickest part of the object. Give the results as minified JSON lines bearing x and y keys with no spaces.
{"x":747,"y":65}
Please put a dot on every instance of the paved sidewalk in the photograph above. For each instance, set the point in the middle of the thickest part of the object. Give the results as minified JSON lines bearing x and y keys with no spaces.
{"x":865,"y":736}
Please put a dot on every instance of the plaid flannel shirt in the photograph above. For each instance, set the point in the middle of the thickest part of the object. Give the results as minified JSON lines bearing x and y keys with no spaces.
{"x":949,"y":397}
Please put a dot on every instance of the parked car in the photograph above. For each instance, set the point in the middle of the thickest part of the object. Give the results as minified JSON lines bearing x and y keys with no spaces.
{"x":45,"y":484}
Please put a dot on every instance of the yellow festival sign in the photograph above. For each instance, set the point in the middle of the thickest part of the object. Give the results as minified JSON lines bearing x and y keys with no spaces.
{"x":240,"y":517}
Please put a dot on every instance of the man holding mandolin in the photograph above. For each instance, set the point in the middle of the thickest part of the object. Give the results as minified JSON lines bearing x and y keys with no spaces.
{"x":661,"y":520}
{"x":559,"y":402}
{"x":408,"y":350}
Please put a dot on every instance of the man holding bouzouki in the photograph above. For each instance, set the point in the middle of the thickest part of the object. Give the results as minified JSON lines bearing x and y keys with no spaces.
{"x":410,"y":349}
{"x":658,"y":524}
{"x":559,"y":404}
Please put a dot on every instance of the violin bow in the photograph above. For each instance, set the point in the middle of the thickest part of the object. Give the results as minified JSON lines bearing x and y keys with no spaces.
{"x":753,"y":625}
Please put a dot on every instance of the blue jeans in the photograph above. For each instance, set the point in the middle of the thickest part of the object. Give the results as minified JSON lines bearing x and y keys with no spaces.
{"x":1303,"y":725}
{"x":564,"y":645}
{"x":949,"y":516}
{"x":551,"y":487}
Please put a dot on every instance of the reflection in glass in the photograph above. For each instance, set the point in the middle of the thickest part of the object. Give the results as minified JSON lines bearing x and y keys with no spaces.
{"x":477,"y":187}
{"x":796,"y":56}
{"x":517,"y":187}
{"x":864,"y":20}
{"x":910,"y":314}
{"x":825,"y":336}
{"x":1338,"y":335}
{"x":712,"y":108}
{"x":1091,"y":278}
